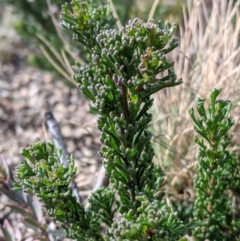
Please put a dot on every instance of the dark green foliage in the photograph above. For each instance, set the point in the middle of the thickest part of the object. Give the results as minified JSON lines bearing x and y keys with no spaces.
{"x":42,"y":173}
{"x":125,"y":67}
{"x":184,"y":209}
{"x":121,"y":76}
{"x":218,"y":172}
{"x":153,"y":220}
{"x":86,"y":19}
{"x":30,"y":209}
{"x":119,"y":80}
{"x":104,"y":198}
{"x":128,"y":60}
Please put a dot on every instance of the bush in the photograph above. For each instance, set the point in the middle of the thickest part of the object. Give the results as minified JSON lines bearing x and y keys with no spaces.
{"x":124,"y":68}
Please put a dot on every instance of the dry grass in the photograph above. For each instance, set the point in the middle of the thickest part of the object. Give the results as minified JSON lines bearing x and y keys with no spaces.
{"x":207,"y":58}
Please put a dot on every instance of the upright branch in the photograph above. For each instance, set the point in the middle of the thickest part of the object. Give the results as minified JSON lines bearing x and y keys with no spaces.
{"x":218,"y":176}
{"x":125,"y":68}
{"x":122,"y":74}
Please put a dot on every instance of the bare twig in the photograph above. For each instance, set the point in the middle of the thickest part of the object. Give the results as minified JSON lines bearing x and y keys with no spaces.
{"x":56,"y":66}
{"x":68,"y":65}
{"x":51,"y":48}
{"x":102,"y":181}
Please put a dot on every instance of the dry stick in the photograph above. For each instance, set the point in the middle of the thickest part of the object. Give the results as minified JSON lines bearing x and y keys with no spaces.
{"x":54,"y":129}
{"x":51,"y":48}
{"x":56,"y":66}
{"x":68,"y":65}
{"x":153,"y":9}
{"x":102,"y":181}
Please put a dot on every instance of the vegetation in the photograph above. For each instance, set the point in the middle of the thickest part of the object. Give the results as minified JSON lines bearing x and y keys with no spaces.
{"x":122,"y":71}
{"x":218,"y":176}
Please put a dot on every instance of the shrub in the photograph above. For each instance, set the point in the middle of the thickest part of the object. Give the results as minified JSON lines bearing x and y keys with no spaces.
{"x":124,"y":68}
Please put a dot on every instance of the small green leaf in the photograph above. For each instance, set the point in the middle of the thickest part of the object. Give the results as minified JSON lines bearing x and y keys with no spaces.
{"x":213,"y":97}
{"x":26,"y":153}
{"x":200,"y":107}
{"x":59,"y":212}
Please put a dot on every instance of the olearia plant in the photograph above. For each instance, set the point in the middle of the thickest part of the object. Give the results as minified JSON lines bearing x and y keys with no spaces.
{"x":125,"y":67}
{"x":218,"y":173}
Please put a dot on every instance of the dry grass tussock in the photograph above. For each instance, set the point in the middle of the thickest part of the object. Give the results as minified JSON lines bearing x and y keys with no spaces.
{"x":208,"y":57}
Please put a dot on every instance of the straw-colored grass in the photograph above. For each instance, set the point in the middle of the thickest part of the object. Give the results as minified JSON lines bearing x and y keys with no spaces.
{"x":208,"y":57}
